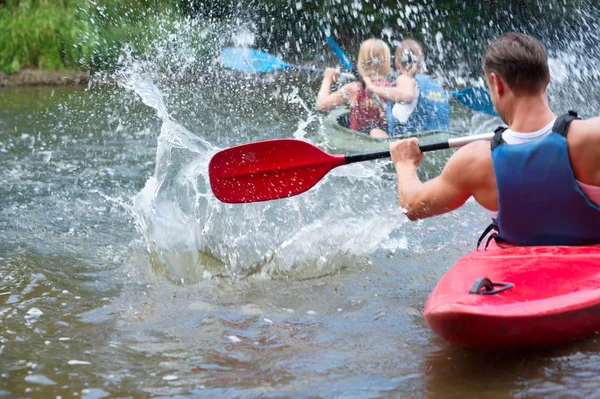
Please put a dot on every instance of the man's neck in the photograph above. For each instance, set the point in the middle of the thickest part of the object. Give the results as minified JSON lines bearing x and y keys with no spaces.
{"x":530,"y":114}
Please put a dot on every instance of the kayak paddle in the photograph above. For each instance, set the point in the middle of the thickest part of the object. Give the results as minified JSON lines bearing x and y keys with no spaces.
{"x":250,"y":60}
{"x":272,"y":169}
{"x":476,"y":98}
{"x":346,"y":63}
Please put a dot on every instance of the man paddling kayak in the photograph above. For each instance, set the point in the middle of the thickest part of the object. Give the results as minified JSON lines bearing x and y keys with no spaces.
{"x":540,"y":180}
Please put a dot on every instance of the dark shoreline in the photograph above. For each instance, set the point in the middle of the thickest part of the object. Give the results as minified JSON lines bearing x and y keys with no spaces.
{"x":35,"y":77}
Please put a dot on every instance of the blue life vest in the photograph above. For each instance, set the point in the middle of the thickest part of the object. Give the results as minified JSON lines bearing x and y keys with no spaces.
{"x":431,"y":113}
{"x":539,"y":200}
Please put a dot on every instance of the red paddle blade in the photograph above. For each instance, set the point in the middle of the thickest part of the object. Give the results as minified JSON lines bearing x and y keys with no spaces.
{"x":268,"y":170}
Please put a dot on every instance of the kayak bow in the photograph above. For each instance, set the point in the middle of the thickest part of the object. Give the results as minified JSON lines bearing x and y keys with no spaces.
{"x":540,"y":296}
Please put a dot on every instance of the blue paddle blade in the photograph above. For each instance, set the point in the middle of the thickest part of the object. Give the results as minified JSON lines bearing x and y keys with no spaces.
{"x":250,"y":60}
{"x":346,"y":63}
{"x":476,"y":98}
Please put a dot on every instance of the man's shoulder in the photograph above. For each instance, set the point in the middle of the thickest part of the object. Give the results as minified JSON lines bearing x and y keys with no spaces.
{"x":584,"y":132}
{"x":584,"y":150}
{"x":475,"y":151}
{"x":584,"y":136}
{"x":586,"y":126}
{"x":472,"y":162}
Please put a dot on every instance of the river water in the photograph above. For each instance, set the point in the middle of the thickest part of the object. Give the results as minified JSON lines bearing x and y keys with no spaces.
{"x":122,"y":276}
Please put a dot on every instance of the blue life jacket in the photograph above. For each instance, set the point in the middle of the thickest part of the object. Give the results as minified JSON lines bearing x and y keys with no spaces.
{"x":431,"y":113}
{"x":539,"y":200}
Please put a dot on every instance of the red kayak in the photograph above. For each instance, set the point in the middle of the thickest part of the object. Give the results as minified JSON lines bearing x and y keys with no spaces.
{"x":518,"y":297}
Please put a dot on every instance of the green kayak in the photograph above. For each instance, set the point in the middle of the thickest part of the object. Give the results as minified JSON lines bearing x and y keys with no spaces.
{"x":339,"y":136}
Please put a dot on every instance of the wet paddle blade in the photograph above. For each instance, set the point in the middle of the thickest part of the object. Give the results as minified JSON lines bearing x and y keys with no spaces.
{"x":268,"y":170}
{"x":250,"y":60}
{"x":476,"y":98}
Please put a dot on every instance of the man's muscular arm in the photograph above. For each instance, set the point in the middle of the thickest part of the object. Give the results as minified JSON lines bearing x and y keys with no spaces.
{"x":442,"y":194}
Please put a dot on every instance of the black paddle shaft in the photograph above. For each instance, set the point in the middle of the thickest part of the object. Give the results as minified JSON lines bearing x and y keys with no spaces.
{"x":367,"y":156}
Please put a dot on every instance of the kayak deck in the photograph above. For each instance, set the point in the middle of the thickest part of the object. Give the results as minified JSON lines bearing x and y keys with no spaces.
{"x":343,"y":120}
{"x":555,"y":297}
{"x":340,"y":136}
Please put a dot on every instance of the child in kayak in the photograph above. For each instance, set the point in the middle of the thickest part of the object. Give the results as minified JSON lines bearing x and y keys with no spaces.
{"x":416,"y":102}
{"x":374,"y":62}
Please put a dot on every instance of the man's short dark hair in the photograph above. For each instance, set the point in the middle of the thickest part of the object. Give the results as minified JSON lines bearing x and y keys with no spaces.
{"x":521,"y":60}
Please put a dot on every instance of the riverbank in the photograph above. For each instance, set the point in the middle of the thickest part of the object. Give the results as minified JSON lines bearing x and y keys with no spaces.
{"x":36,"y":77}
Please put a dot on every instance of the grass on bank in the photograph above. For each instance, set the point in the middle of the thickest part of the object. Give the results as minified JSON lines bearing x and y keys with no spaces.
{"x":63,"y":34}
{"x":91,"y":34}
{"x":42,"y":37}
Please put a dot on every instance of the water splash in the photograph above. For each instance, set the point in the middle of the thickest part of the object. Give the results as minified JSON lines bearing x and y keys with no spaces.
{"x":190,"y":235}
{"x":186,"y":228}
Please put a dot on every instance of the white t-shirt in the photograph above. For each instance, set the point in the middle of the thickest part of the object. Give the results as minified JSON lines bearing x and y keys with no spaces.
{"x":513,"y":138}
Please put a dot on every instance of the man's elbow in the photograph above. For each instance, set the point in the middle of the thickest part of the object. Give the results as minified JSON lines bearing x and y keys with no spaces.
{"x":412,"y":209}
{"x":413,"y":215}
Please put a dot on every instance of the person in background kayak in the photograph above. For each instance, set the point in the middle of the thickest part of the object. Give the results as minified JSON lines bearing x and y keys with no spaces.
{"x":416,"y":102}
{"x":539,"y":179}
{"x":374,"y":62}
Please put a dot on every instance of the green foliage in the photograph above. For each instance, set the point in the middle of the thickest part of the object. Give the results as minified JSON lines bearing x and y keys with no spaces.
{"x":38,"y":36}
{"x":111,"y":24}
{"x":54,"y":34}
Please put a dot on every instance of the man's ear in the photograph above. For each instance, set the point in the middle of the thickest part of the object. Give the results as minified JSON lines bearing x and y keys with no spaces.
{"x":498,"y":83}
